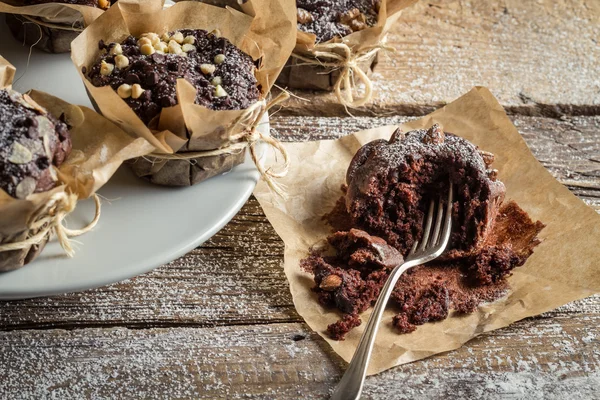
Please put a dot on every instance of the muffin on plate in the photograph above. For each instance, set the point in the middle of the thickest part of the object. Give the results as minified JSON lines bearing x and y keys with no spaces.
{"x":192,"y":79}
{"x":32,"y":145}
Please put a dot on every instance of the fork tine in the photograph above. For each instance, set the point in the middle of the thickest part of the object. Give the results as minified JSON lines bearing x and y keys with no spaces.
{"x":448,"y":217}
{"x":438,"y":224}
{"x":414,"y":248}
{"x":427,"y":229}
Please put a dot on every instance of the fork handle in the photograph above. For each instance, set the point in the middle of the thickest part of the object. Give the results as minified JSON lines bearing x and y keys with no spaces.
{"x":351,"y":384}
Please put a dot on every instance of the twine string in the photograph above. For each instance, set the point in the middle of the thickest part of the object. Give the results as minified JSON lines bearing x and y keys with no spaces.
{"x":339,"y":56}
{"x":49,"y":219}
{"x":247,"y":135}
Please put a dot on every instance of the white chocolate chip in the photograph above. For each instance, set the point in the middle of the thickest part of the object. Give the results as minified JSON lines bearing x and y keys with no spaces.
{"x":154,"y":38}
{"x":124,"y":91}
{"x":174,"y":47}
{"x":207,"y":69}
{"x":216,"y":32}
{"x":121,"y":61}
{"x":136,"y":91}
{"x":162,"y":46}
{"x":144,"y":41}
{"x":106,"y":68}
{"x":188,"y":47}
{"x":178,"y":37}
{"x":20,"y":154}
{"x":189,"y":40}
{"x":220,"y":92}
{"x":25,"y":187}
{"x":165,"y":37}
{"x":147,"y":49}
{"x":116,"y":50}
{"x":219,"y":58}
{"x":216,"y":81}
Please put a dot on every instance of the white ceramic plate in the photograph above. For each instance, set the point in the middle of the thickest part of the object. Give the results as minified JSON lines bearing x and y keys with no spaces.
{"x":143,"y":226}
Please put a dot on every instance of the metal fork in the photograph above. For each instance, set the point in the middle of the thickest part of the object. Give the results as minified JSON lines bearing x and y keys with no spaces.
{"x":431,"y":247}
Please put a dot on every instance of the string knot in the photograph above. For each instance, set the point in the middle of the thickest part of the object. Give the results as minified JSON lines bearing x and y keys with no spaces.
{"x":339,"y":56}
{"x":243,"y":132}
{"x":49,"y":219}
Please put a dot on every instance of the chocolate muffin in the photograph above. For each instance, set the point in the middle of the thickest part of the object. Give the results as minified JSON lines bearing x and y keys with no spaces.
{"x":391,"y":182}
{"x":144,"y":71}
{"x":104,"y":4}
{"x":349,"y":278}
{"x":32,"y":143}
{"x":328,"y":19}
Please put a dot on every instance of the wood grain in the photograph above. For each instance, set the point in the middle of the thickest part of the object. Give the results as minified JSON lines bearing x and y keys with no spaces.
{"x":537,"y":57}
{"x":288,"y":361}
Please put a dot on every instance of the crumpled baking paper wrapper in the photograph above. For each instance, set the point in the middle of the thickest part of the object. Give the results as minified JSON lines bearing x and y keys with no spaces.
{"x":564,"y":267}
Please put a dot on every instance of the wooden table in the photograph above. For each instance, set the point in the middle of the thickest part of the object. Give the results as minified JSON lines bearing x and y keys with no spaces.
{"x":220,"y":323}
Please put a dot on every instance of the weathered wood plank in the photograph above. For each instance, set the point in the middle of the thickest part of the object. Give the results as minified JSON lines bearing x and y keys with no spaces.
{"x":236,"y":277}
{"x":552,"y":358}
{"x":537,"y":57}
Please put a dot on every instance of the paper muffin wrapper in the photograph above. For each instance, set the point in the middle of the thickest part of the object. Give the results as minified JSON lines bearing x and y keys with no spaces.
{"x":99,"y":148}
{"x":266,"y":31}
{"x":50,"y":27}
{"x":342,"y":64}
{"x":235,"y":4}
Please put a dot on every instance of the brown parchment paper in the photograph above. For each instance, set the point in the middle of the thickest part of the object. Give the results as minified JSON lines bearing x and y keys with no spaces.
{"x":99,"y":148}
{"x":57,"y":23}
{"x":563,"y":268}
{"x":298,"y":74}
{"x":267,"y":34}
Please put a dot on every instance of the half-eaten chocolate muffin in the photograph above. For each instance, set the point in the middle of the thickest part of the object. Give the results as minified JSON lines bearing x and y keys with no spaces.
{"x":390,"y":183}
{"x":328,"y":19}
{"x":144,"y":71}
{"x":380,"y":216}
{"x":32,"y":144}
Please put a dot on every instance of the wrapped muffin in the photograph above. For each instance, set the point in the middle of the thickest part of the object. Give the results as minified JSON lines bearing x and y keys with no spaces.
{"x":192,"y":80}
{"x":51,"y":155}
{"x":337,"y":45}
{"x":51,"y":25}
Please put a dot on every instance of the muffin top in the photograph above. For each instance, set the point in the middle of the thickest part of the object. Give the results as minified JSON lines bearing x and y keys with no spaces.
{"x":144,"y":71}
{"x":336,"y":18}
{"x":32,"y":143}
